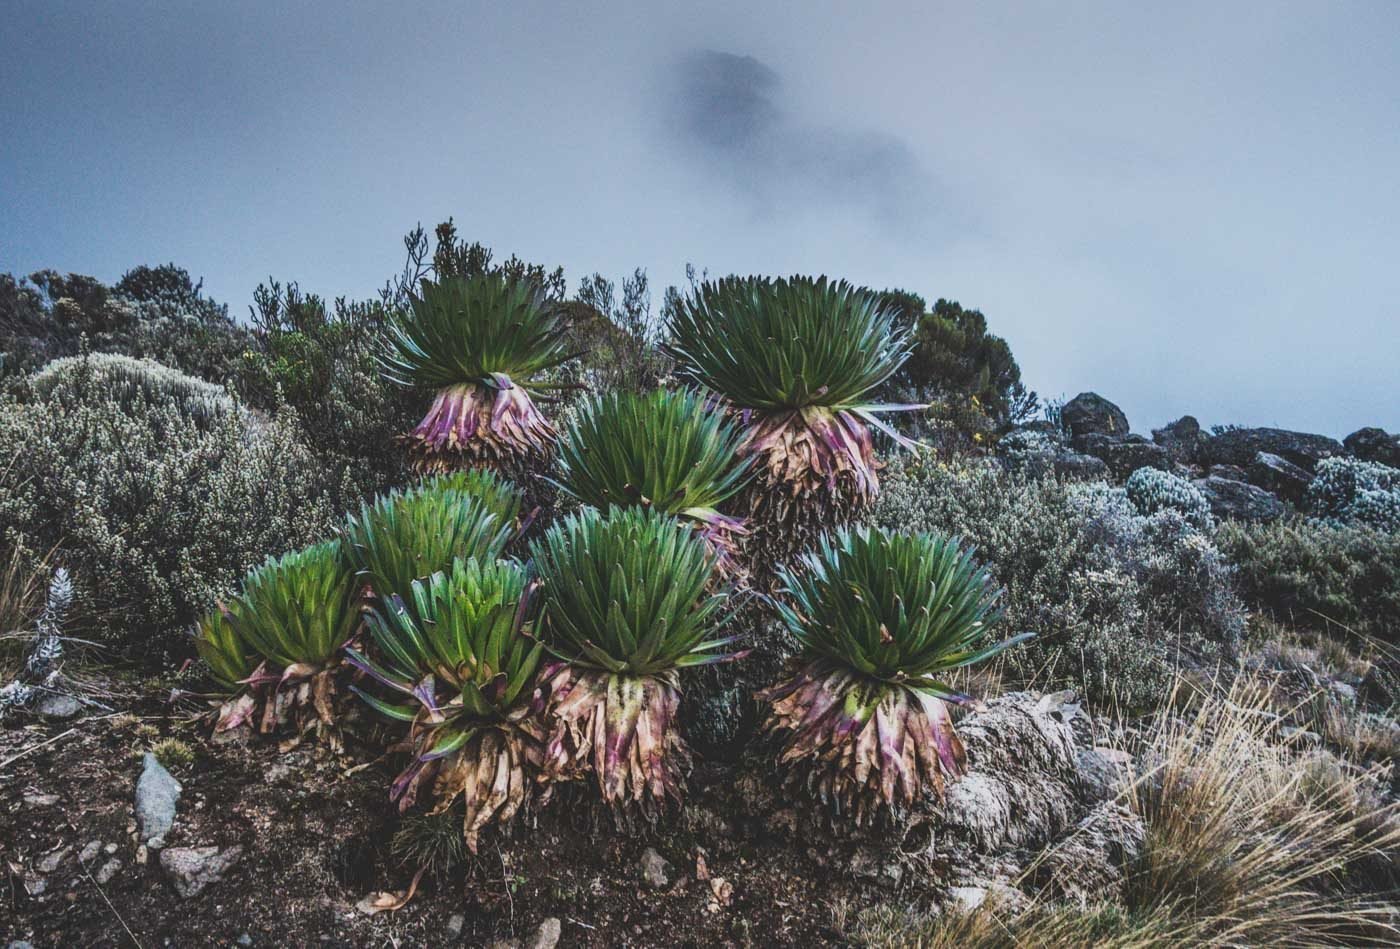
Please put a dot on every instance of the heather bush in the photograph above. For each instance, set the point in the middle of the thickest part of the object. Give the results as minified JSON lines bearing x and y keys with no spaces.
{"x":158,"y":512}
{"x":1119,"y":599}
{"x":1350,"y":491}
{"x":1316,"y":574}
{"x":1152,"y":490}
{"x":154,"y":313}
{"x":137,"y":385}
{"x":318,"y":358}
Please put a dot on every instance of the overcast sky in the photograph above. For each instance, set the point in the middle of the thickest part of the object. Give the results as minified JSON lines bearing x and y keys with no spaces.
{"x":1186,"y":207}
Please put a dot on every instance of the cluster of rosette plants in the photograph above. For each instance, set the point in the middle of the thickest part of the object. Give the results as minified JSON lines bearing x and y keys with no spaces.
{"x":506,"y":662}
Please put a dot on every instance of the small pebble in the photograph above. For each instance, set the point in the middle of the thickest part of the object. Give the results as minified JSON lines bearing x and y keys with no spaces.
{"x":109,"y":870}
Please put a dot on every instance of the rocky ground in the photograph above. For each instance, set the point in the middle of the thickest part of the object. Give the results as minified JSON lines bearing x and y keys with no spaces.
{"x":245,"y":846}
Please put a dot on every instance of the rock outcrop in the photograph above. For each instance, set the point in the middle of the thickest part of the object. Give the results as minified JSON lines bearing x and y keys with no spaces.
{"x":1184,"y":440}
{"x":1091,"y":414}
{"x":1279,"y":476}
{"x":1374,"y":444}
{"x":1239,"y":446}
{"x":1125,"y":455}
{"x":1021,"y":788}
{"x":1239,"y":500}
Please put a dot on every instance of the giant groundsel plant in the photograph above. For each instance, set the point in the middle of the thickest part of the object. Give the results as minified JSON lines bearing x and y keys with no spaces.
{"x":461,"y":665}
{"x":407,"y":534}
{"x":796,"y":359}
{"x":674,"y":452}
{"x":883,"y":620}
{"x":289,"y":623}
{"x":627,"y":604}
{"x":483,"y":344}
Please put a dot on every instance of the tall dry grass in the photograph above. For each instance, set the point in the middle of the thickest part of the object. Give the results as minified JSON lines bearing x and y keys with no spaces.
{"x":1249,"y":842}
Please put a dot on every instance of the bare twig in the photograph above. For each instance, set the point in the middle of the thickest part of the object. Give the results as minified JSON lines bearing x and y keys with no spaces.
{"x":49,"y":741}
{"x":103,"y":893}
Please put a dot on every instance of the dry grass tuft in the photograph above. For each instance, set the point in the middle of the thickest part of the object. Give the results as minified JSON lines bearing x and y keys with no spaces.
{"x":1249,"y":842}
{"x":1244,"y":842}
{"x":22,"y":588}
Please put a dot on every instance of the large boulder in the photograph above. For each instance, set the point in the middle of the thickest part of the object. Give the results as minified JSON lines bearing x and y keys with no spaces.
{"x":1183,"y":440}
{"x":1239,"y":446}
{"x":1077,"y":467}
{"x":1374,"y":444}
{"x":1022,"y":787}
{"x":1279,"y":476}
{"x":1091,"y":414}
{"x":1125,"y":455}
{"x":1239,"y":500}
{"x":1096,"y":858}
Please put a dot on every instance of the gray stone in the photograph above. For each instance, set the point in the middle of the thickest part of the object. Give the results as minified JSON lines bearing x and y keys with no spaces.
{"x":90,"y":852}
{"x":967,"y":899}
{"x":1301,"y":736}
{"x":1080,"y":467}
{"x":1022,"y":784}
{"x":1374,"y":444}
{"x":1378,"y":688}
{"x":1183,"y":440}
{"x":21,"y":944}
{"x":108,"y":870}
{"x":41,"y":800}
{"x":655,"y":870}
{"x":1228,"y":472}
{"x":157,"y":793}
{"x":546,"y":934}
{"x":1103,"y":772}
{"x":1091,"y":414}
{"x":1237,"y":500}
{"x":53,"y":861}
{"x":1279,"y":477}
{"x":1096,"y":858}
{"x":193,"y":869}
{"x":455,"y":923}
{"x":1123,"y":456}
{"x":245,"y":940}
{"x":1239,"y":446}
{"x":58,"y":705}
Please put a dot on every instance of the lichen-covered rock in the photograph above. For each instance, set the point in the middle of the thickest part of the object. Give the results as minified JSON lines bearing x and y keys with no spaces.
{"x":1079,"y":467}
{"x":1021,"y":788}
{"x":1103,"y":772}
{"x":1374,"y":444}
{"x":1123,"y":456}
{"x":1279,"y":476}
{"x":1092,"y":861}
{"x":1238,"y":500}
{"x":1091,"y":414}
{"x":1239,"y":446}
{"x":194,"y":869}
{"x":1183,"y":440}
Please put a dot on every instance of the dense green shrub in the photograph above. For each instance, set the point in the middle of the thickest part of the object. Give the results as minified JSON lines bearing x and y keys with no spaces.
{"x":1118,"y":599}
{"x":319,"y":359}
{"x":1314,"y":574}
{"x":967,"y":375}
{"x":157,"y":512}
{"x":1352,"y":491}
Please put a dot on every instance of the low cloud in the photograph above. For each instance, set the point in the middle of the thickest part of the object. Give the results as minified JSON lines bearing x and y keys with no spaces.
{"x":727,"y":112}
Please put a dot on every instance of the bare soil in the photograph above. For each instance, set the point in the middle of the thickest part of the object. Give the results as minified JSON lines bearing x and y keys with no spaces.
{"x":315,"y":836}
